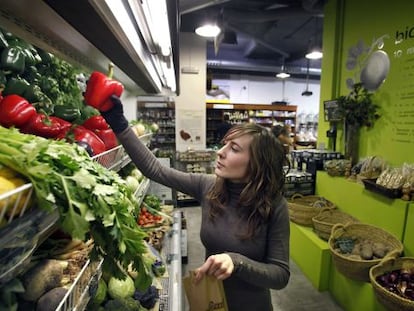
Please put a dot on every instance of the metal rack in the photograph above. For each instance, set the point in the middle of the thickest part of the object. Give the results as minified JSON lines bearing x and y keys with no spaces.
{"x":171,"y":295}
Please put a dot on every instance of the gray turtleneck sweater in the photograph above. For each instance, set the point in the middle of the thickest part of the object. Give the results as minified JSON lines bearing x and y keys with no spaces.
{"x":260,"y":263}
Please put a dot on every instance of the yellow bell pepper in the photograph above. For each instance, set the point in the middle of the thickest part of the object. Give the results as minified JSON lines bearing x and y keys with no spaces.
{"x":7,"y":172}
{"x":7,"y":185}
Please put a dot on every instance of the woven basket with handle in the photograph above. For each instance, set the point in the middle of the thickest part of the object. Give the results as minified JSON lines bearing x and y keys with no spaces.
{"x":302,"y":208}
{"x":327,"y":218}
{"x":358,"y":269}
{"x":391,"y":301}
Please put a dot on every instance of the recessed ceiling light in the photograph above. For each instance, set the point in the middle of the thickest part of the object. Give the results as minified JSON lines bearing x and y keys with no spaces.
{"x":283,"y":75}
{"x":315,"y":54}
{"x":208,"y":30}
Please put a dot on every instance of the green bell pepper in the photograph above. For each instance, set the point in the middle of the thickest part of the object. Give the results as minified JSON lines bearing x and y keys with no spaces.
{"x":32,"y":93}
{"x":31,"y":74}
{"x":43,"y":103}
{"x":68,"y":113}
{"x":87,"y":112}
{"x":45,"y":56}
{"x":17,"y":86}
{"x":32,"y":58}
{"x":12,"y":59}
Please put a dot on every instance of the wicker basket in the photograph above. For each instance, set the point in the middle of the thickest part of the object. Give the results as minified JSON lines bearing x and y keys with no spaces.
{"x":388,"y":299}
{"x":303,"y":208}
{"x":327,"y":218}
{"x":358,"y":269}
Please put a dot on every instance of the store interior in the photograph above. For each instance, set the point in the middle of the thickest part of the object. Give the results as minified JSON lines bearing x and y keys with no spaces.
{"x":349,"y":116}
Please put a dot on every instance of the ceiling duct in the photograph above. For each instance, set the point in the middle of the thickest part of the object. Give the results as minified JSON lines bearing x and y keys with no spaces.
{"x":314,"y":73}
{"x":265,"y":16}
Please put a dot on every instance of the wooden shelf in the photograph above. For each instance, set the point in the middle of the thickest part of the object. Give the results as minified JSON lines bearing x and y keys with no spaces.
{"x":265,"y":115}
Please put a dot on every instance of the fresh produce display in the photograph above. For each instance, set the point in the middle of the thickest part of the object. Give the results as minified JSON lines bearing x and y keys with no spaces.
{"x":400,"y":282}
{"x":40,"y":95}
{"x":49,"y":130}
{"x":93,"y":202}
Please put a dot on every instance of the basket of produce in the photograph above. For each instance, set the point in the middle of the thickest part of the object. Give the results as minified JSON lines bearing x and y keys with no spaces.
{"x":393,"y":283}
{"x":327,"y":218}
{"x":338,"y":167}
{"x":302,"y":208}
{"x":356,"y":247}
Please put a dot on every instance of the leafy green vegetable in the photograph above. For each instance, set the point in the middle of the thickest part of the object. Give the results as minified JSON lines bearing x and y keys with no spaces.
{"x":92,"y":200}
{"x":125,"y":304}
{"x":121,"y":288}
{"x":153,"y":201}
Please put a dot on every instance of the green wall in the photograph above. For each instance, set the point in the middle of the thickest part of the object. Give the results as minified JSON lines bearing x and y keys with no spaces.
{"x":348,"y":23}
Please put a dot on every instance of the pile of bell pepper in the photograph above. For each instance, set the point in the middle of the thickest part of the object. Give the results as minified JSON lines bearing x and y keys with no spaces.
{"x":94,"y":133}
{"x":40,"y":95}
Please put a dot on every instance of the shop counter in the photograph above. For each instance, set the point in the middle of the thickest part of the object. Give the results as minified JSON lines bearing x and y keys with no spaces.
{"x":311,"y":254}
{"x":352,"y":295}
{"x":369,"y":207}
{"x":392,"y":215}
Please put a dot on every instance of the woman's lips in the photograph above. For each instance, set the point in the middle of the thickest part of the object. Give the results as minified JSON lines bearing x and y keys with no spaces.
{"x":219,"y":165}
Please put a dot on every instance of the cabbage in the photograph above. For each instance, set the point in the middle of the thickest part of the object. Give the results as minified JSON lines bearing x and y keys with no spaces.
{"x":132,"y":183}
{"x":121,"y":288}
{"x":100,"y":292}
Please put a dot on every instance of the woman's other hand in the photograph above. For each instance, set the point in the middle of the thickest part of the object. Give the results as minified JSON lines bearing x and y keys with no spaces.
{"x":220,"y":266}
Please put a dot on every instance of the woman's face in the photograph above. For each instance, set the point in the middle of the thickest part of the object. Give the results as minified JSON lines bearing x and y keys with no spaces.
{"x":233,"y":159}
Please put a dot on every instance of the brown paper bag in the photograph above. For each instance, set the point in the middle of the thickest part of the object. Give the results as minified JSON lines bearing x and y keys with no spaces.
{"x":207,"y":295}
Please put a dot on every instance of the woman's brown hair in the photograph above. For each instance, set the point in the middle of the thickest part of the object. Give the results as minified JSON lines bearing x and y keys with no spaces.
{"x":266,"y":178}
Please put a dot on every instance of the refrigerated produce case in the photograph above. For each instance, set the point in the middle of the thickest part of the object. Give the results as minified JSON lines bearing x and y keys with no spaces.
{"x":88,"y":34}
{"x":31,"y":227}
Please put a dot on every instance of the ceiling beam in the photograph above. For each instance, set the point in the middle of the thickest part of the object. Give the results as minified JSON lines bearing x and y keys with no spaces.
{"x":188,"y":6}
{"x":259,"y":41}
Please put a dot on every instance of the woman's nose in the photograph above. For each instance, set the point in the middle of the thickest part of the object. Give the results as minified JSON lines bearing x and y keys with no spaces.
{"x":220,"y":152}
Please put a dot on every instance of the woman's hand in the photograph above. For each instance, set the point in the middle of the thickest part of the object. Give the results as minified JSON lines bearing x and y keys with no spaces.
{"x":220,"y":266}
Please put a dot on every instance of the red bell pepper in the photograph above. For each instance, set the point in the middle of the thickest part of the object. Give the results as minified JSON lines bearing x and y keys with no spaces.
{"x":80,"y":133}
{"x":108,"y":137}
{"x":99,"y":89}
{"x":15,"y":111}
{"x":46,"y":126}
{"x":96,"y":123}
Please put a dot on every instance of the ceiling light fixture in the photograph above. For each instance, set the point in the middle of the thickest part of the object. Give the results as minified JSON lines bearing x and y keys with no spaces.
{"x":208,"y":30}
{"x":283,"y":74}
{"x":314,"y":54}
{"x":315,"y":51}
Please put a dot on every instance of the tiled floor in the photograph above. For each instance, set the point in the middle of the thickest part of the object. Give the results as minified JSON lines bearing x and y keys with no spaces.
{"x":299,"y":295}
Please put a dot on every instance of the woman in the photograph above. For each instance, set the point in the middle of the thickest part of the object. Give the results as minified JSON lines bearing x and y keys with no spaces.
{"x":245,"y":221}
{"x":282,"y":133}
